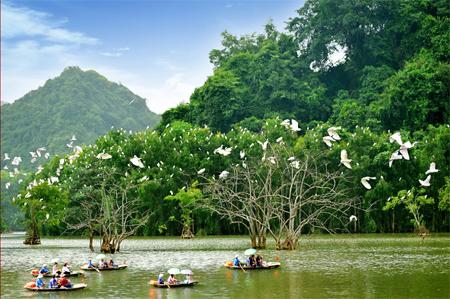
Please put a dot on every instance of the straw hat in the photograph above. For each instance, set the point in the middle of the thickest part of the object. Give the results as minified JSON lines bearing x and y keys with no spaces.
{"x":40,"y":276}
{"x":161,"y":275}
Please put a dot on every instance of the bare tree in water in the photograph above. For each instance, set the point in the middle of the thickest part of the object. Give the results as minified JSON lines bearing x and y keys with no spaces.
{"x":281,"y":195}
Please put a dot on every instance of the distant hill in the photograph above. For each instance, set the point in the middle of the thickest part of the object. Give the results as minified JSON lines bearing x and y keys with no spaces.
{"x":80,"y":103}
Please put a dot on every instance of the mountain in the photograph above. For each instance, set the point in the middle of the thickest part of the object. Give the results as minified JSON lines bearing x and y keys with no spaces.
{"x":80,"y":103}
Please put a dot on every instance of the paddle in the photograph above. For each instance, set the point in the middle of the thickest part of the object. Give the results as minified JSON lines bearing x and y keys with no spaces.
{"x":241,"y":267}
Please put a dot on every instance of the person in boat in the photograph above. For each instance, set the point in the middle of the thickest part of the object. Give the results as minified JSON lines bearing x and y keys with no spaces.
{"x":111,"y":264}
{"x":161,"y":278}
{"x":103,"y":264}
{"x":172,"y":279}
{"x":188,"y":278}
{"x":236,"y":261}
{"x":91,"y":264}
{"x":64,"y":282}
{"x":252,"y":261}
{"x":65,"y":269}
{"x":53,"y":283}
{"x":44,"y":270}
{"x":58,"y":274}
{"x":55,"y":268}
{"x":259,"y":261}
{"x":40,"y":282}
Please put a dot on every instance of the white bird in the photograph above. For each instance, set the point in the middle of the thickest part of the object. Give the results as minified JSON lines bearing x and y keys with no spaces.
{"x":294,"y":125}
{"x":286,"y":123}
{"x":137,"y":162}
{"x":39,"y":169}
{"x":28,"y":195}
{"x":365,"y":181}
{"x":16,"y":161}
{"x":279,"y":139}
{"x":242,"y":154}
{"x":223,"y":151}
{"x":54,"y":179}
{"x":73,"y":138}
{"x":426,"y":182}
{"x":143,"y":179}
{"x":291,"y":158}
{"x":61,"y":162}
{"x":6,"y":167}
{"x":201,"y":171}
{"x":432,"y":168}
{"x":327,"y":140}
{"x":404,"y":149}
{"x":224,"y":174}
{"x":47,"y":216}
{"x":396,"y":137}
{"x":47,"y":155}
{"x":272,"y":160}
{"x":6,"y":157}
{"x":395,"y":156}
{"x":353,"y":218}
{"x":33,"y":155}
{"x":263,"y":145}
{"x":7,"y":185}
{"x":69,"y":145}
{"x":345,"y":160}
{"x":332,"y":133}
{"x":104,"y":156}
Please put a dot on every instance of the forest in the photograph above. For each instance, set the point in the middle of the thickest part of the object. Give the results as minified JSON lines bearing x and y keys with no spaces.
{"x":366,"y":135}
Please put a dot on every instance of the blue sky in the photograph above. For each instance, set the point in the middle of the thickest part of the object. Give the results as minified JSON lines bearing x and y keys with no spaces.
{"x":158,"y":49}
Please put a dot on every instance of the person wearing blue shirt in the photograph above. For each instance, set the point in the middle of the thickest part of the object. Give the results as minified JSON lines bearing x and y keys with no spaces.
{"x":44,"y":270}
{"x":40,"y":282}
{"x":236,"y":261}
{"x":53,"y":283}
{"x":90,"y":264}
{"x":160,"y":279}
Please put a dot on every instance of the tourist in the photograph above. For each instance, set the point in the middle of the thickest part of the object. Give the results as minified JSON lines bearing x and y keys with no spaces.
{"x":65,"y":269}
{"x":251,"y":261}
{"x":44,"y":270}
{"x":236,"y":261}
{"x":91,"y":264}
{"x":53,"y":283}
{"x":161,"y":279}
{"x":64,"y":282}
{"x":188,"y":278}
{"x":172,"y":279}
{"x":111,"y":264}
{"x":40,"y":282}
{"x":259,"y":261}
{"x":55,"y":268}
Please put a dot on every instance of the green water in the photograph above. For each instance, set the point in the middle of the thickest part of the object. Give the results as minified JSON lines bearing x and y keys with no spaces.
{"x":350,"y":266}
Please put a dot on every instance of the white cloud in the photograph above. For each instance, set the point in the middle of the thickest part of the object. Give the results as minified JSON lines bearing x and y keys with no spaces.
{"x":19,"y":22}
{"x":111,"y":54}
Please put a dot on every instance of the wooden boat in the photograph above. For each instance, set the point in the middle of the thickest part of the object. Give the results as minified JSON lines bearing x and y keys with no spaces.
{"x":75,"y":287}
{"x":35,"y":273}
{"x":118,"y":267}
{"x":266,"y":266}
{"x":177,"y":285}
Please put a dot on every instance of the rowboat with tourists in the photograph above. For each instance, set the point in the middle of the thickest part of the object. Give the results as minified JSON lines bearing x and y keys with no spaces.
{"x":253,"y":262}
{"x":172,"y":282}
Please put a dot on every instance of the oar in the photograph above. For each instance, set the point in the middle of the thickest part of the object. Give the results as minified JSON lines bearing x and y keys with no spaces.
{"x":241,"y":267}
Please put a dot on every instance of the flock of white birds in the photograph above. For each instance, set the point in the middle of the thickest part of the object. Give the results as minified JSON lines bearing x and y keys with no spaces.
{"x":290,"y":124}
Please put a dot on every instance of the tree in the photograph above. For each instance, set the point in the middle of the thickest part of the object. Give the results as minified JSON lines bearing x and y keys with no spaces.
{"x":280,"y":195}
{"x":42,"y":204}
{"x":187,"y":201}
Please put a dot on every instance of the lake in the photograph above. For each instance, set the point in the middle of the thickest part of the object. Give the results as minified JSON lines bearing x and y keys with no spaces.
{"x":339,"y":266}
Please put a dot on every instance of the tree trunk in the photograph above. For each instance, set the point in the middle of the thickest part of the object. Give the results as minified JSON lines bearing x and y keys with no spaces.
{"x":253,"y":241}
{"x":289,"y":243}
{"x":186,"y":233}
{"x":91,"y":241}
{"x":261,"y":241}
{"x":107,"y":246}
{"x":32,"y":235}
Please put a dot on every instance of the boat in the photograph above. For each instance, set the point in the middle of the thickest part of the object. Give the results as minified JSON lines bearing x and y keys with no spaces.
{"x":266,"y":266}
{"x":118,"y":267}
{"x":75,"y":287}
{"x":35,"y":272}
{"x":177,"y":285}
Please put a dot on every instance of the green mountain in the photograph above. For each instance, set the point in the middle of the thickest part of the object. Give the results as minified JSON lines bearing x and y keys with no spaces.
{"x":80,"y":103}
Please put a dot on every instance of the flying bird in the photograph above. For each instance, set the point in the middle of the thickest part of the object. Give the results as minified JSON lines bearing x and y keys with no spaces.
{"x":137,"y":162}
{"x":327,"y":140}
{"x":345,"y":160}
{"x":365,"y":181}
{"x":294,"y":125}
{"x":432,"y":168}
{"x":332,"y":133}
{"x":426,"y":182}
{"x":73,"y":138}
{"x":395,"y":156}
{"x":263,"y":145}
{"x":16,"y":161}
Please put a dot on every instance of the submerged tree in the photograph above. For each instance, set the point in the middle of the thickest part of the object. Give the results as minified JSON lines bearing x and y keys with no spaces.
{"x":281,"y":196}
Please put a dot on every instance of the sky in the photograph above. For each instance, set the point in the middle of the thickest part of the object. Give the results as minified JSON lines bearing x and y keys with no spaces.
{"x":158,"y":49}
